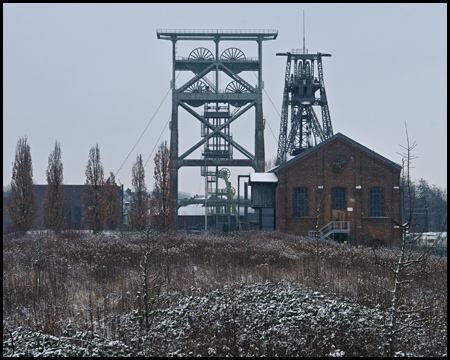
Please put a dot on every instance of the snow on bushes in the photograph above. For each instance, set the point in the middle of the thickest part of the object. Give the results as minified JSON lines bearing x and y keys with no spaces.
{"x":264,"y":320}
{"x":240,"y":320}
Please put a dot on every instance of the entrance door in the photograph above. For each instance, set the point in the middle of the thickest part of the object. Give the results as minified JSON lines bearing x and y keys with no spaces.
{"x":267,"y":219}
{"x":338,"y":215}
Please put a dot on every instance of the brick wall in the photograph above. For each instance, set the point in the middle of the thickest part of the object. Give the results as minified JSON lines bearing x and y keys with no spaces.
{"x":340,"y":163}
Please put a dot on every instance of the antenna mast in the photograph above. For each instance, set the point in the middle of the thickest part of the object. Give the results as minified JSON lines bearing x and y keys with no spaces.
{"x":304,"y":31}
{"x":299,"y":97}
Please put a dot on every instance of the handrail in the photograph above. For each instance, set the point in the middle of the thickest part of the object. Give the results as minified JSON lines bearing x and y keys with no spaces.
{"x":215,"y":31}
{"x":299,"y":51}
{"x":330,"y":228}
{"x":339,"y":225}
{"x":178,"y":58}
{"x":216,"y":35}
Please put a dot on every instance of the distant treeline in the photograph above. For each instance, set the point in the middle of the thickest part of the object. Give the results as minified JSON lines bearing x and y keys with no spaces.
{"x":429,"y":202}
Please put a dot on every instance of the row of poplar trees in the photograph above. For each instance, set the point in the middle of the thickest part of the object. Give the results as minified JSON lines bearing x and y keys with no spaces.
{"x":100,"y":197}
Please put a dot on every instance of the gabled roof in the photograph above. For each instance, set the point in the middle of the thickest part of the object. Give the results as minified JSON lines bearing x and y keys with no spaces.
{"x":329,"y":140}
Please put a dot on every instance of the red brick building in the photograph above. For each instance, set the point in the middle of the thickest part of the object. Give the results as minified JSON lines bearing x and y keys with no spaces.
{"x":354,"y":191}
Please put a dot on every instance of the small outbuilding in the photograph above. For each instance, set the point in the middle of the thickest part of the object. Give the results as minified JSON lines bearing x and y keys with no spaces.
{"x":263,"y":187}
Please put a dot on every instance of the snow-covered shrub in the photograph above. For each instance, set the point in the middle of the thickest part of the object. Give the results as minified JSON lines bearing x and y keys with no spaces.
{"x":263,"y":320}
{"x":32,"y":344}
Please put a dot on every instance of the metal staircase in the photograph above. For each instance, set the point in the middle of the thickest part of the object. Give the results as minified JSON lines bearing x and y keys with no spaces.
{"x":334,"y":227}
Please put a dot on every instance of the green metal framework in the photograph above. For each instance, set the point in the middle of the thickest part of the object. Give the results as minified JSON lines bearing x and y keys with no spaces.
{"x":221,"y":107}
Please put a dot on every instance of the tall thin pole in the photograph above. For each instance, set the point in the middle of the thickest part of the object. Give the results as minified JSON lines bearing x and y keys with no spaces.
{"x":304,"y":32}
{"x":206,"y":197}
{"x":121,"y":209}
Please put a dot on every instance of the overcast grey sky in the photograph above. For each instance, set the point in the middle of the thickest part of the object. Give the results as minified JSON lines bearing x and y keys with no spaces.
{"x":91,"y":73}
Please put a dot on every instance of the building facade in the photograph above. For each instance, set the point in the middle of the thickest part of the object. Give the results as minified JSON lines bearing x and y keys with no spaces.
{"x":74,"y":205}
{"x":74,"y":208}
{"x":341,"y":188}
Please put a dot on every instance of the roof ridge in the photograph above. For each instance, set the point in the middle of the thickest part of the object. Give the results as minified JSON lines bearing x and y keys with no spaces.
{"x":327,"y":141}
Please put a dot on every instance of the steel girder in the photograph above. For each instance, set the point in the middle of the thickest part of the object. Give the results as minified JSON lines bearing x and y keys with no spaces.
{"x":299,"y":94}
{"x":199,"y":90}
{"x":282,"y":141}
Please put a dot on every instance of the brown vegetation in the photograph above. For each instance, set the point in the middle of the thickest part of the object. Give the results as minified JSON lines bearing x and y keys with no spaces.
{"x":91,"y":280}
{"x":55,"y":197}
{"x":162,"y":204}
{"x":92,"y":196}
{"x":111,"y":203}
{"x":138,"y":212}
{"x":21,"y":205}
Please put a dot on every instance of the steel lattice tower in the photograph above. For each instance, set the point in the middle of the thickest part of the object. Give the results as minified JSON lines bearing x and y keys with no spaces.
{"x":300,"y":88}
{"x":221,"y":107}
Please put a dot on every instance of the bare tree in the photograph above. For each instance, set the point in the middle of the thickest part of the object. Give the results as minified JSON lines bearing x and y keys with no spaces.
{"x":111,"y":203}
{"x":138,"y":212}
{"x":431,"y":202}
{"x":162,"y":204}
{"x":405,"y":267}
{"x":92,"y":195}
{"x":55,"y":197}
{"x":270,"y":163}
{"x":319,"y":210}
{"x":149,"y":289}
{"x":21,"y":205}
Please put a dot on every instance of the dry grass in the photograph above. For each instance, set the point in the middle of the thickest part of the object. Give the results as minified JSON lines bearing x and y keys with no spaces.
{"x":86,"y":279}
